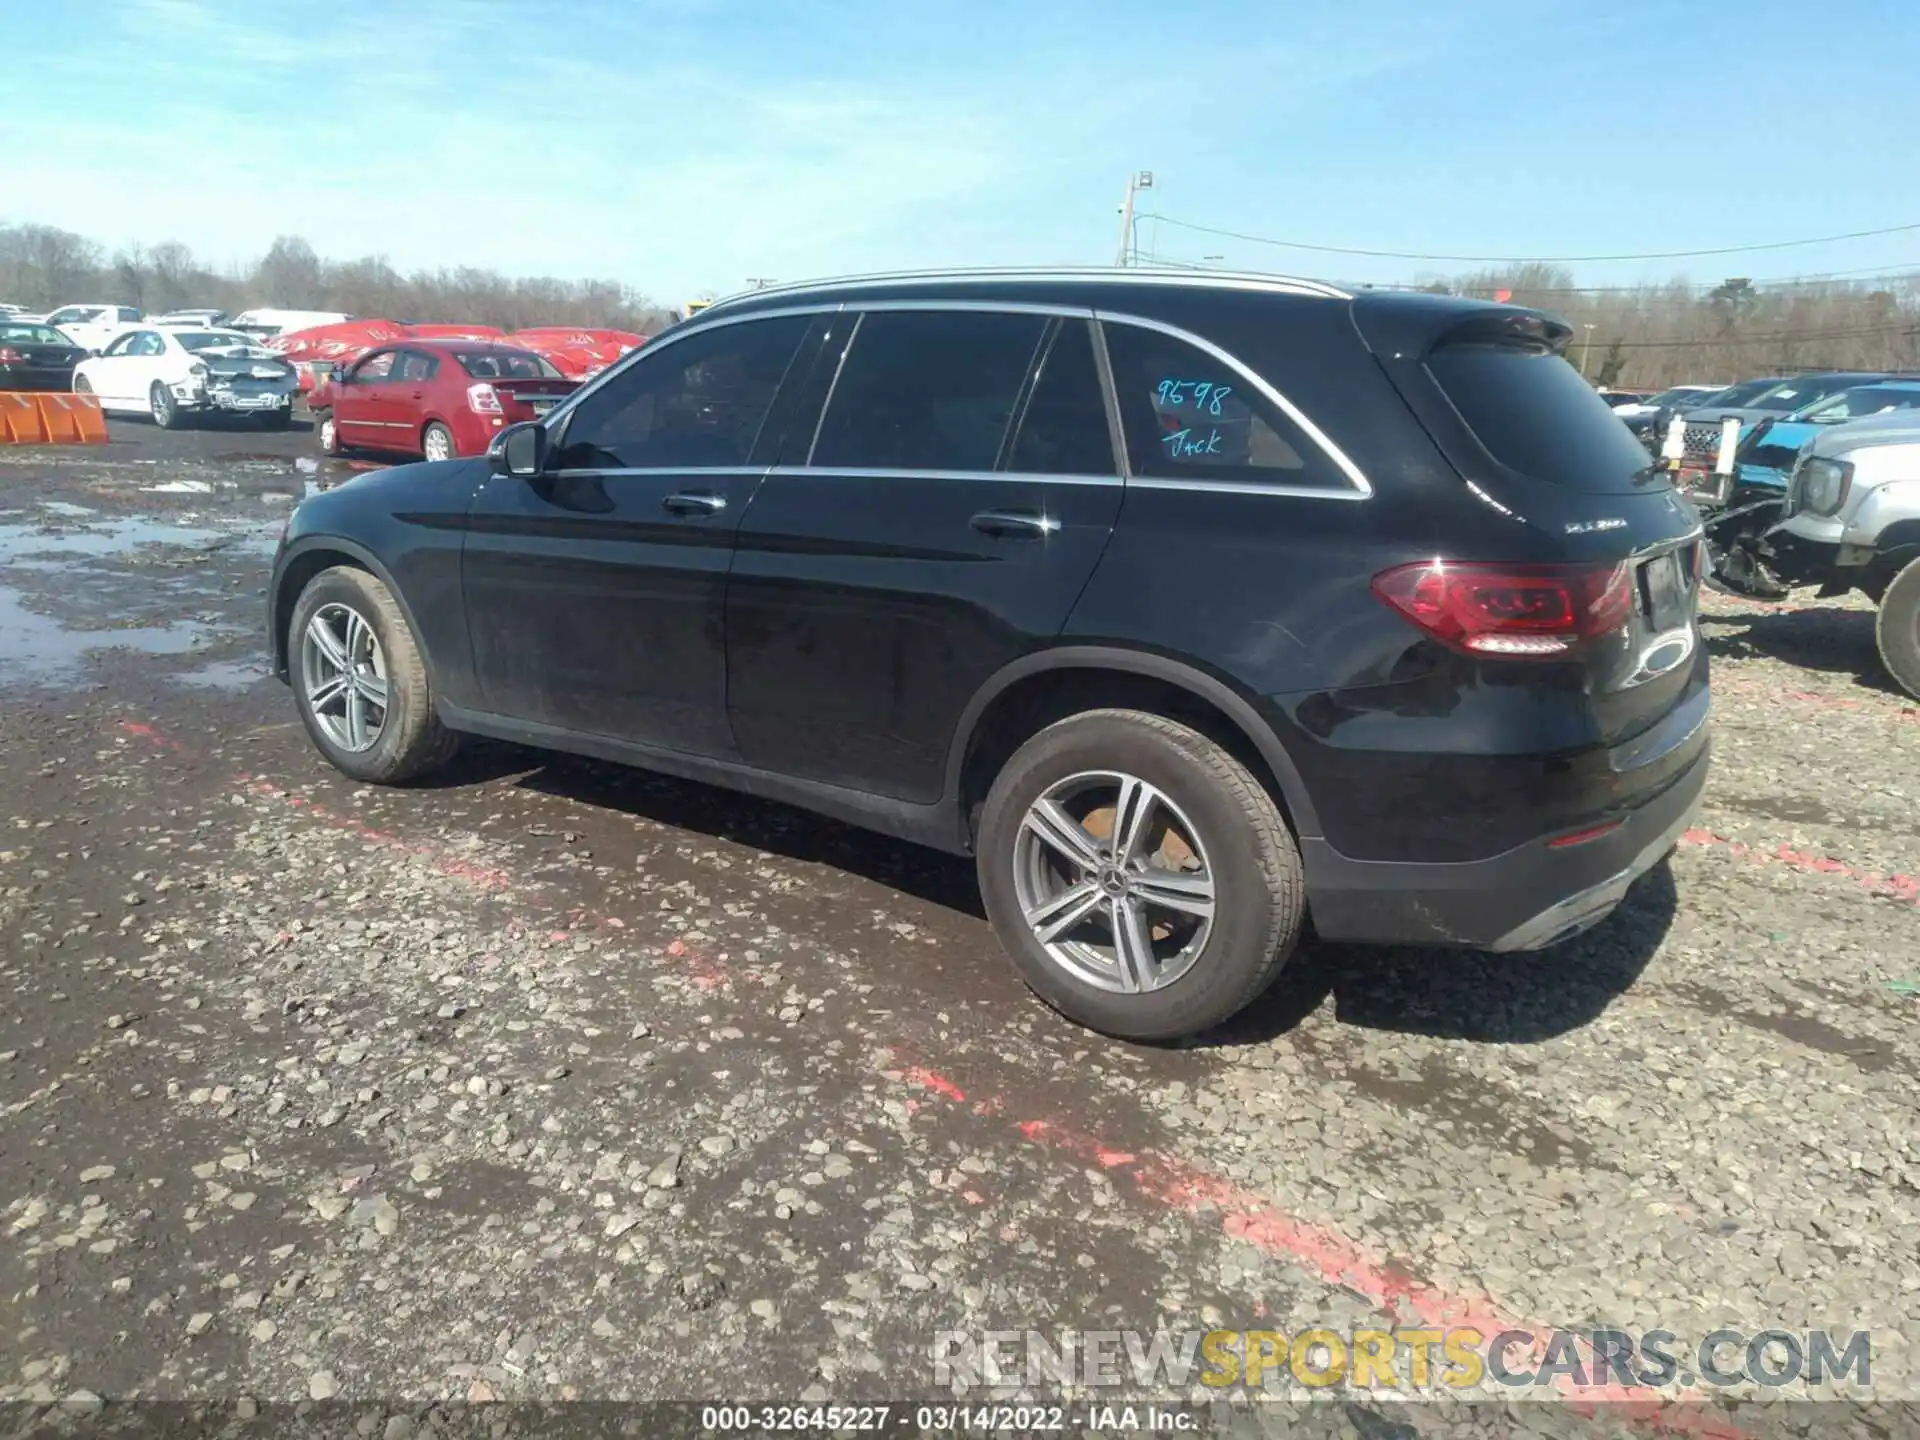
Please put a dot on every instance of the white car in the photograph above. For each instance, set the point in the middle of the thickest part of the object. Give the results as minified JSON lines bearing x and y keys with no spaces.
{"x":265,"y":324}
{"x":173,"y":374}
{"x":92,"y":326}
{"x":192,"y":319}
{"x":1680,"y":397}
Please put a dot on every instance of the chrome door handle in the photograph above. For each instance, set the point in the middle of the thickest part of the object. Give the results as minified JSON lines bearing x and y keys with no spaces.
{"x":689,"y":502}
{"x":1003,"y":523}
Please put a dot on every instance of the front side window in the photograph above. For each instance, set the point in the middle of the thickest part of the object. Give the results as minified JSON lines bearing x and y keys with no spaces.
{"x":698,"y":403}
{"x":122,"y":346}
{"x":72,"y":315}
{"x":1189,"y":415}
{"x":927,"y":390}
{"x":147,"y":344}
{"x":374,"y":367}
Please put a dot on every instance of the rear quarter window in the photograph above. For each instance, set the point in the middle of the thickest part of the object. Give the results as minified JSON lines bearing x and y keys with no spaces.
{"x":1531,"y":411}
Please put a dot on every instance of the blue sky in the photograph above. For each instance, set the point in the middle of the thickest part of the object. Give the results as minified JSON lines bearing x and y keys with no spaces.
{"x":686,"y":145}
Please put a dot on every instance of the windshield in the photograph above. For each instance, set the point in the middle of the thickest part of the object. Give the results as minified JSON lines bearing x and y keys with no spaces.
{"x":505,"y":365}
{"x":1681,"y":395}
{"x":1864,"y":400}
{"x":212,"y":339}
{"x":31,"y":334}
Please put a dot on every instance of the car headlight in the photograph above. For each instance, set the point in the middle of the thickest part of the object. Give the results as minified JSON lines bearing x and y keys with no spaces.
{"x":1824,"y":485}
{"x":197,"y":371}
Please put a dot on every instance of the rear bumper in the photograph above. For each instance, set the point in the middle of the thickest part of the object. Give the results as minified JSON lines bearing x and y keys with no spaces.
{"x":1527,"y":898}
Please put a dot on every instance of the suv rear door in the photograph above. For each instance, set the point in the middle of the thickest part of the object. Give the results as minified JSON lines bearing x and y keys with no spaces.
{"x":937,"y":523}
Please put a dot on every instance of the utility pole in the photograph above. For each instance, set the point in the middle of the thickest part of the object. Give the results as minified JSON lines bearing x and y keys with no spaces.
{"x":1586,"y":347}
{"x":1139,"y":180}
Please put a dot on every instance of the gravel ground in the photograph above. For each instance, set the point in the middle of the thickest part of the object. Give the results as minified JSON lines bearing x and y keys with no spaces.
{"x":552,"y":1081}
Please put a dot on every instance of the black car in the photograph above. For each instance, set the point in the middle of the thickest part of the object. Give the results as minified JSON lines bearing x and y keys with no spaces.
{"x":1190,"y":606}
{"x":36,"y":357}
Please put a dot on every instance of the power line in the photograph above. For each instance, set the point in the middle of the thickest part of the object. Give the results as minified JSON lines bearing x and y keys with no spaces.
{"x":1904,"y":270}
{"x":1526,"y":259}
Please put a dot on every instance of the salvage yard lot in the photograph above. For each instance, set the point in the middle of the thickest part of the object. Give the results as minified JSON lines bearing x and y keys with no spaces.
{"x":554,"y":1080}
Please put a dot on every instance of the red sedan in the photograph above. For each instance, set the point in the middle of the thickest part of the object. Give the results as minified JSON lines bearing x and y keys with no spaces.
{"x":437,"y":398}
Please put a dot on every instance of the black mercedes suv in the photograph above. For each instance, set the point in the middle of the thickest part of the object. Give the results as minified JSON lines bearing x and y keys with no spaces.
{"x":1195,"y":607}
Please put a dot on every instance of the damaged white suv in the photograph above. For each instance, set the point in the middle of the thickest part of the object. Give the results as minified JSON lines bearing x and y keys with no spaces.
{"x":173,"y":374}
{"x":1851,"y":521}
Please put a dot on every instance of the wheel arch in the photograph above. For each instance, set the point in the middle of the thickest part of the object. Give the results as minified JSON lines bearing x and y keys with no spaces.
{"x":306,"y":558}
{"x":1030,"y":693}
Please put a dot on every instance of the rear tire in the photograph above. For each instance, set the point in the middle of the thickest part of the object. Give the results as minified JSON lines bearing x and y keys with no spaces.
{"x":1897,"y":629}
{"x":166,"y":414}
{"x":1209,"y":832}
{"x":436,"y":441}
{"x":364,"y":697}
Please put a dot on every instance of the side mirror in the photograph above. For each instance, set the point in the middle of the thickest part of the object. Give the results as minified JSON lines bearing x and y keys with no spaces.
{"x":520,"y":450}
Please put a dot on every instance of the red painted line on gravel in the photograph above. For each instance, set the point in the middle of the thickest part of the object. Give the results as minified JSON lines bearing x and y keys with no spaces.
{"x":1908,"y":714}
{"x":1170,"y":1183}
{"x":705,"y":972}
{"x":1901,"y":887}
{"x":1320,"y":1250}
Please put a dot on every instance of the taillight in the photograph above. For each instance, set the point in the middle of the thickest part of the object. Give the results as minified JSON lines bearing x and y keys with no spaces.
{"x":1509,"y":610}
{"x":10,"y":356}
{"x":482,"y":399}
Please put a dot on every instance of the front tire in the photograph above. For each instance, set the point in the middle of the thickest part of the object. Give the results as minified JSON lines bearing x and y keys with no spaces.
{"x":327,"y":433}
{"x":1139,"y":877}
{"x":359,"y":681}
{"x":166,"y":414}
{"x":1896,"y":629}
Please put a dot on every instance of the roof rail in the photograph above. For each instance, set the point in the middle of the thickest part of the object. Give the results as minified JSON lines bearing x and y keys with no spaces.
{"x":1111,"y":274}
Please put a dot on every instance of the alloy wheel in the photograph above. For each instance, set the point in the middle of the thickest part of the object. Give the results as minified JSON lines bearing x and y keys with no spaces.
{"x":160,"y":404}
{"x":344,"y":677}
{"x":438,"y":444}
{"x":327,"y":434}
{"x":1114,"y":881}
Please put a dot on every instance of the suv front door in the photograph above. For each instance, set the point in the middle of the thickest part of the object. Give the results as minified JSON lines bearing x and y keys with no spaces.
{"x":595,"y":592}
{"x":958,"y":491}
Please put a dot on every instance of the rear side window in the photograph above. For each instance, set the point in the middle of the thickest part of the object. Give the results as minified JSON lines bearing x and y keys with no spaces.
{"x":505,"y":365}
{"x":1533,"y":413}
{"x":1189,"y":415}
{"x":927,"y":390}
{"x":1063,"y":430}
{"x":696,"y":403}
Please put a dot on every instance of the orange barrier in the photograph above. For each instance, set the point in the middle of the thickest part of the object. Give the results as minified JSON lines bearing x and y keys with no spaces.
{"x":48,"y":418}
{"x":20,"y":422}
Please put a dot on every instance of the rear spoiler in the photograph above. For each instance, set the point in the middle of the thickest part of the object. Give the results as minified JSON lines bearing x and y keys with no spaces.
{"x":1404,"y":331}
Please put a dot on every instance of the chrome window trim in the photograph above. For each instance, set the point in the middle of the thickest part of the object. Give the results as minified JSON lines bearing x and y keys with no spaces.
{"x":1362,"y":487}
{"x":852,"y":472}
